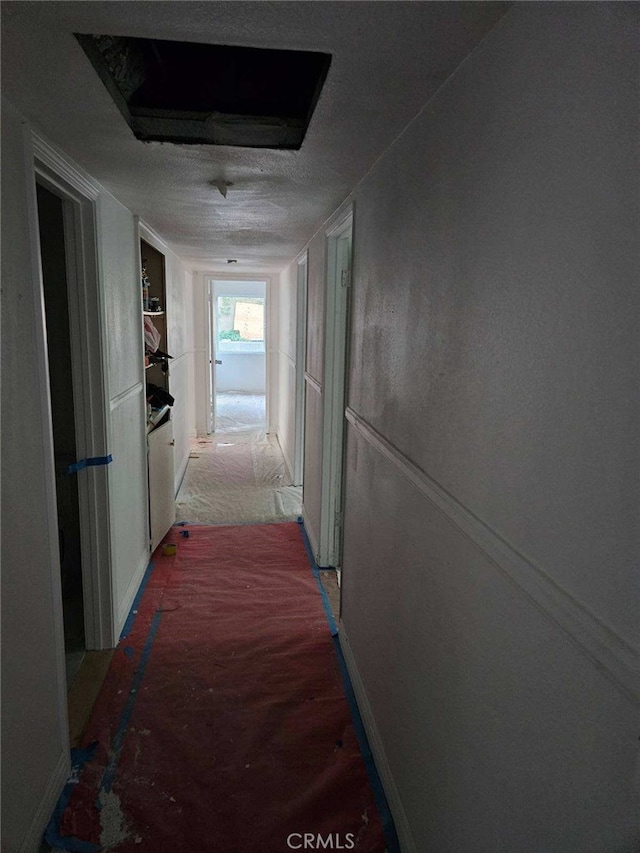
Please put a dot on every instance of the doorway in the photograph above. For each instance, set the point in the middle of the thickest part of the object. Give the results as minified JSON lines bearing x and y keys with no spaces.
{"x":74,"y":373}
{"x":53,"y":251}
{"x":238,"y":356}
{"x":339,"y":262}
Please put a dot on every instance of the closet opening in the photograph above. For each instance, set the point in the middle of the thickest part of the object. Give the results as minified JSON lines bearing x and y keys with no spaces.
{"x":53,"y":251}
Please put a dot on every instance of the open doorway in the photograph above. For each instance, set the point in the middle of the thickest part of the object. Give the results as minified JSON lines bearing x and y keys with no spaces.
{"x":238,"y":356}
{"x":53,"y":253}
{"x":73,"y":373}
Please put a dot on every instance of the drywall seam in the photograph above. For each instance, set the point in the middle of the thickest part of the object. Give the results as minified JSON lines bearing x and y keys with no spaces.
{"x":124,"y":606}
{"x":308,"y":378}
{"x":610,"y":652}
{"x":121,"y":399}
{"x":56,"y":783}
{"x":403,"y":828}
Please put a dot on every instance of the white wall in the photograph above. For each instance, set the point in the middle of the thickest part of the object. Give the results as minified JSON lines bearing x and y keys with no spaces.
{"x":34,"y":732}
{"x":489,"y":586}
{"x":190,"y":335}
{"x":34,"y":725}
{"x":287,"y":362}
{"x":314,"y":375}
{"x":243,"y":372}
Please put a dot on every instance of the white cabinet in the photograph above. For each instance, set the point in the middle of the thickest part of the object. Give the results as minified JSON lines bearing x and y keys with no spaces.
{"x":162,"y":508}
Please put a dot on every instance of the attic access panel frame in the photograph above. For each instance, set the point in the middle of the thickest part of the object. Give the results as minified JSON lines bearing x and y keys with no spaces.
{"x":202,"y":94}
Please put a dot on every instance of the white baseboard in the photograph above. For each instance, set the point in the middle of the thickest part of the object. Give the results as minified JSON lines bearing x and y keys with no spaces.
{"x":403,"y":829}
{"x":32,"y":841}
{"x":193,"y":433}
{"x":125,"y":605}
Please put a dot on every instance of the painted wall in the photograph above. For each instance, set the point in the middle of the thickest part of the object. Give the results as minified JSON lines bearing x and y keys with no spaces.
{"x":34,"y":731}
{"x":489,"y":597}
{"x":287,"y":362}
{"x":34,"y":725}
{"x":314,"y":373}
{"x":244,"y":372}
{"x":189,"y":318}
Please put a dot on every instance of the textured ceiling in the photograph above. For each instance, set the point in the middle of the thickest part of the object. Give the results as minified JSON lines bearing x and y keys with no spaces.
{"x":388,"y":59}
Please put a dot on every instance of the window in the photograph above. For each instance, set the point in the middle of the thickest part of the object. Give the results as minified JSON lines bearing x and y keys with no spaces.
{"x":240,"y":324}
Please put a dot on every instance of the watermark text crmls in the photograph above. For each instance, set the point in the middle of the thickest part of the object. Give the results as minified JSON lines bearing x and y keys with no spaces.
{"x":316,"y":841}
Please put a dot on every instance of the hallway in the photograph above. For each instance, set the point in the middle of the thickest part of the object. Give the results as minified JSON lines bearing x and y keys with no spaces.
{"x":440,"y":205}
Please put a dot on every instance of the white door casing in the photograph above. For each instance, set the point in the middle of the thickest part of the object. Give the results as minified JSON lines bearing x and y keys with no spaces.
{"x":338,"y":289}
{"x":90,"y":383}
{"x":301,"y":354}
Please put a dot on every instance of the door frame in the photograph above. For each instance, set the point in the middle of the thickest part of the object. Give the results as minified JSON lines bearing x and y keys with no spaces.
{"x":334,"y":389}
{"x":88,"y":338}
{"x":301,"y":359}
{"x":209,"y":278}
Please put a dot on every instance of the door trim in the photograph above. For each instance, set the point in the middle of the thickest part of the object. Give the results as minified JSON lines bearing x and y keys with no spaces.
{"x":208,"y":282}
{"x":91,"y":400}
{"x":334,"y":393}
{"x":300,"y":364}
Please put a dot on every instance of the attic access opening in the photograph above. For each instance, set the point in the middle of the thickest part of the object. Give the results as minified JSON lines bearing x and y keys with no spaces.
{"x":205,"y":94}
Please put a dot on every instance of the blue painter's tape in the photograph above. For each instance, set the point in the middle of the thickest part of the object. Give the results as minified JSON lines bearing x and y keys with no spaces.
{"x":52,"y":837}
{"x":333,"y":628}
{"x":386,"y":818}
{"x":91,"y":462}
{"x":131,"y":618}
{"x":116,"y":745}
{"x":379,"y":795}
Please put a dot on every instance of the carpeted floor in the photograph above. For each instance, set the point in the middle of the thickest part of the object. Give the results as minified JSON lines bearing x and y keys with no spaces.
{"x":223,"y":724}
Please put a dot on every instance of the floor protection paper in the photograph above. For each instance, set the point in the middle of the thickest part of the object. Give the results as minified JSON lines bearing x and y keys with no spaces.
{"x":237,"y":478}
{"x":223,"y":724}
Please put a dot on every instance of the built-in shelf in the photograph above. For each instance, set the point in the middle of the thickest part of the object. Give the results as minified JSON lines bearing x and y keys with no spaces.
{"x":153,"y":313}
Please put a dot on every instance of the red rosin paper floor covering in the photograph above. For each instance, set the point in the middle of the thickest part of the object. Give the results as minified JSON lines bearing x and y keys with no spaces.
{"x":222,"y":724}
